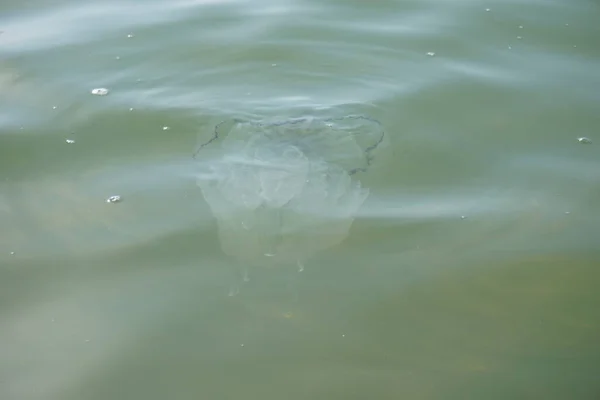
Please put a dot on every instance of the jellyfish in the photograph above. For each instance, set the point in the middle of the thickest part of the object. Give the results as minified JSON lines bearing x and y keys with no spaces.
{"x":283,"y":191}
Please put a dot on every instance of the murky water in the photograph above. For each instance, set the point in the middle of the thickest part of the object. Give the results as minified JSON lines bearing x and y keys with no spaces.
{"x":470,"y":270}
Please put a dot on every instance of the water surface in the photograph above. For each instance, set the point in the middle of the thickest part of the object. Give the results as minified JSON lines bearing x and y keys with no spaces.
{"x":469,"y":272}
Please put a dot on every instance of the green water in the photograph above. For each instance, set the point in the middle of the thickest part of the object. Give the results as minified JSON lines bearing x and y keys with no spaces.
{"x":471,"y":271}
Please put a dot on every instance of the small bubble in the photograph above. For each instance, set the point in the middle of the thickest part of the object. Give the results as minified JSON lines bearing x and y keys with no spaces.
{"x":431,"y":54}
{"x":520,"y":26}
{"x":70,"y":141}
{"x":509,"y":47}
{"x":273,"y":65}
{"x":269,"y":255}
{"x":343,"y":335}
{"x":566,"y":24}
{"x":567,"y":212}
{"x":463,"y":217}
{"x":166,"y":128}
{"x":54,"y":107}
{"x":12,"y":253}
{"x":117,"y":58}
{"x":300,"y":266}
{"x":519,"y":37}
{"x":100,"y":91}
{"x":242,"y":345}
{"x":488,"y":9}
{"x":87,"y":340}
{"x":130,"y":35}
{"x":114,"y":199}
{"x":584,"y":140}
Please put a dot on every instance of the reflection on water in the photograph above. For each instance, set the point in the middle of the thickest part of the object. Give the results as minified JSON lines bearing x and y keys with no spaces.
{"x":457,"y":259}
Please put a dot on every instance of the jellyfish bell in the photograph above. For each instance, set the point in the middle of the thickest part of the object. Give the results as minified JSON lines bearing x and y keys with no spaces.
{"x":283,"y":191}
